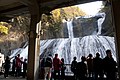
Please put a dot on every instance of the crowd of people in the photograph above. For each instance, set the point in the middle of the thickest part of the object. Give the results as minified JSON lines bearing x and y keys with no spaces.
{"x":18,"y":65}
{"x":89,"y":67}
{"x":48,"y":64}
{"x":95,"y":67}
{"x":54,"y":67}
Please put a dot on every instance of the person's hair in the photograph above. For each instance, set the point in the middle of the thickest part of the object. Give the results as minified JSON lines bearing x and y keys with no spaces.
{"x":56,"y":55}
{"x":108,"y":51}
{"x":62,"y":59}
{"x":74,"y":58}
{"x":18,"y":55}
{"x":25,"y":59}
{"x":83,"y":58}
{"x":97,"y":54}
{"x":90,"y":55}
{"x":50,"y":55}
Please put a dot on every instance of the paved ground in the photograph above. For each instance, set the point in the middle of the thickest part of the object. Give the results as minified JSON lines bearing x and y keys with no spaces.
{"x":11,"y":78}
{"x":20,"y":78}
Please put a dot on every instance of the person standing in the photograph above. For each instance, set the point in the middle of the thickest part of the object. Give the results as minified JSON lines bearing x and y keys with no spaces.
{"x":81,"y":69}
{"x":62,"y":69}
{"x":24,"y":68}
{"x":90,"y":65}
{"x":98,"y":67}
{"x":48,"y":67}
{"x":18,"y":66}
{"x":42,"y":71}
{"x":7,"y":66}
{"x":21,"y":65}
{"x":73,"y":67}
{"x":56,"y":66}
{"x":109,"y":66}
{"x":13,"y":66}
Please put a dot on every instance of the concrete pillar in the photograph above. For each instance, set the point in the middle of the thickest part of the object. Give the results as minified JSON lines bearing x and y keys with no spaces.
{"x":34,"y":42}
{"x":116,"y":21}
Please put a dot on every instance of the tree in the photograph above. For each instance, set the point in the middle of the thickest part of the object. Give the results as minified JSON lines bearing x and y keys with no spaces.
{"x":4,"y":27}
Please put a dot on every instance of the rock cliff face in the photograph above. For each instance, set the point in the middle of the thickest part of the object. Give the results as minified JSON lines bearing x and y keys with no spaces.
{"x":12,"y":41}
{"x":89,"y":26}
{"x":81,"y":27}
{"x":108,"y":24}
{"x":84,"y":26}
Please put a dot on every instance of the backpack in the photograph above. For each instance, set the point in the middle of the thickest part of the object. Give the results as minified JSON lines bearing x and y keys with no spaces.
{"x":48,"y":62}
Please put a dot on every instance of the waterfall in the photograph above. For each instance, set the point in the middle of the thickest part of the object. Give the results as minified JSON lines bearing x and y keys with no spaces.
{"x":100,"y":21}
{"x":70,"y":29}
{"x":68,"y":48}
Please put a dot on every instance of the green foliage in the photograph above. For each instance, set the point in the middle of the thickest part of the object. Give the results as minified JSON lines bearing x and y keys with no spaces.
{"x":4,"y":27}
{"x":67,"y":13}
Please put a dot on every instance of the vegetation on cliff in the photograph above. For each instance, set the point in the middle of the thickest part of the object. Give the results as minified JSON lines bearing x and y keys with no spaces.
{"x":4,"y":28}
{"x":51,"y":24}
{"x":14,"y":34}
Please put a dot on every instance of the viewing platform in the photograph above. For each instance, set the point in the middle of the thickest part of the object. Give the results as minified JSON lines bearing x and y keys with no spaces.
{"x":20,"y":78}
{"x":11,"y":78}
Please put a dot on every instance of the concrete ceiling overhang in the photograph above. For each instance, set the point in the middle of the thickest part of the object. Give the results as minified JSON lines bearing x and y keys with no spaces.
{"x":12,"y":8}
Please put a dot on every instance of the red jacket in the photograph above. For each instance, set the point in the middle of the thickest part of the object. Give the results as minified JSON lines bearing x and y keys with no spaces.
{"x":56,"y":63}
{"x":18,"y":62}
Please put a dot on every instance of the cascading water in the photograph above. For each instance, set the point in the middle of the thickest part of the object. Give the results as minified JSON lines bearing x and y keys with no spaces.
{"x":100,"y":21}
{"x":70,"y":29}
{"x":67,"y":48}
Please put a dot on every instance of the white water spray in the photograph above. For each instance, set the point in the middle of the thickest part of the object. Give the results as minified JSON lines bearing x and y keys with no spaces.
{"x":70,"y":29}
{"x":100,"y":21}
